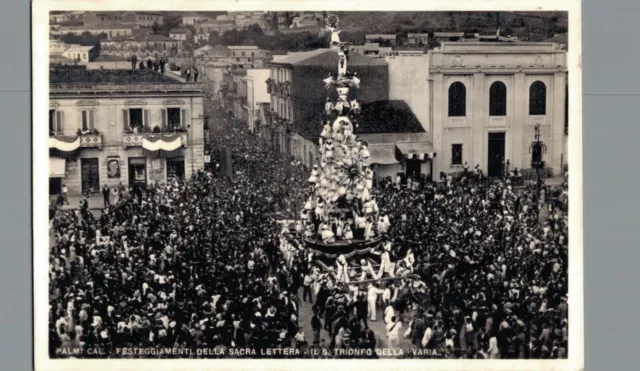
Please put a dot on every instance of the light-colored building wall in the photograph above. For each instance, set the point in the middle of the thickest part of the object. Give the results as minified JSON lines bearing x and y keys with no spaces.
{"x":408,"y":81}
{"x":108,"y":113}
{"x":256,"y":93}
{"x":478,"y":66}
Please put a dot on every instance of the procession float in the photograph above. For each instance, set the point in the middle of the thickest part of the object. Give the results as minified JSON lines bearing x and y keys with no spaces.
{"x":340,"y":227}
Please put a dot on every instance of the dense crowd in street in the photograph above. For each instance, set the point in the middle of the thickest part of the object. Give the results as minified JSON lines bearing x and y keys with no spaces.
{"x":197,"y":264}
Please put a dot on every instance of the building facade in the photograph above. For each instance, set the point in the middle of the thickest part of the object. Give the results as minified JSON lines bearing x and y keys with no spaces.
{"x":155,"y":46}
{"x":404,"y":71}
{"x":139,"y":19}
{"x":111,"y":31}
{"x":488,"y":98}
{"x":194,"y":19}
{"x":298,"y":96}
{"x":180,"y":34}
{"x":122,"y":126}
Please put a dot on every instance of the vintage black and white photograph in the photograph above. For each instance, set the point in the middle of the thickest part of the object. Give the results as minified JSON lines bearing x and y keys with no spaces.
{"x":308,"y":184}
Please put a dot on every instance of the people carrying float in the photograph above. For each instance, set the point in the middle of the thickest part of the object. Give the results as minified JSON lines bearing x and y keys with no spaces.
{"x":342,"y":273}
{"x":386,"y":266}
{"x":366,"y":270}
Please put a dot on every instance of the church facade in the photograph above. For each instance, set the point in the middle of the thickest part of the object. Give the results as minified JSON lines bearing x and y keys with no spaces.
{"x":487,"y":100}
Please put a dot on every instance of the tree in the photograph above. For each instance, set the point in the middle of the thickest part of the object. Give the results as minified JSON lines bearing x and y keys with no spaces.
{"x":255,"y":29}
{"x":215,"y":39}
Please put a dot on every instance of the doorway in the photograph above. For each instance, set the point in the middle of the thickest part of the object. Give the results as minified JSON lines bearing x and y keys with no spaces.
{"x":414,"y":168}
{"x":175,"y":168}
{"x":90,"y":175}
{"x":495,"y":154}
{"x":137,"y":171}
{"x":55,"y":186}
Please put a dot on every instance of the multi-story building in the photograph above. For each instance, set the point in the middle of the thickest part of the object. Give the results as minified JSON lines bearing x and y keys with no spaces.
{"x":257,"y":95}
{"x":219,"y":26}
{"x":390,"y":39}
{"x":487,"y":100}
{"x":194,"y":19}
{"x":81,"y":53}
{"x":180,"y":34}
{"x":417,"y":38}
{"x":110,"y":31}
{"x":297,"y":108}
{"x":249,"y":56}
{"x":138,"y":19}
{"x":371,"y":50}
{"x":155,"y":46}
{"x":122,"y":126}
{"x":243,"y":21}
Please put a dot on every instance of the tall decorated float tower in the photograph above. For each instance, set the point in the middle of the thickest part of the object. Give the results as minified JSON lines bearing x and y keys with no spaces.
{"x":340,"y":223}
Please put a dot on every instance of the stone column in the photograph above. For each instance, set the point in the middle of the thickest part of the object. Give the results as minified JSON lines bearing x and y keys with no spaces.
{"x":519,"y":117}
{"x":477,"y":119}
{"x":438,"y":123}
{"x":555,"y":147}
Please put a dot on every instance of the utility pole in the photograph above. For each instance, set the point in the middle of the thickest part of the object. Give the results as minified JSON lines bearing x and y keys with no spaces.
{"x":537,"y":149}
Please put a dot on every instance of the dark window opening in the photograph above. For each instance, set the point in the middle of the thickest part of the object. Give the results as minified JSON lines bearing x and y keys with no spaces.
{"x":456,"y":154}
{"x":537,"y":98}
{"x":52,"y":120}
{"x":173,"y":118}
{"x":135,"y":118}
{"x":498,"y":99}
{"x":457,"y":100}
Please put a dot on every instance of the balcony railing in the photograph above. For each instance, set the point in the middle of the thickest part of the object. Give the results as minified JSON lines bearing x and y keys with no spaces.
{"x":135,"y":140}
{"x":91,"y":141}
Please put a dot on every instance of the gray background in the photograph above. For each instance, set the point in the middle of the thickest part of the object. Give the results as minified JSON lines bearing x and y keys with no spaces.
{"x":611,"y":127}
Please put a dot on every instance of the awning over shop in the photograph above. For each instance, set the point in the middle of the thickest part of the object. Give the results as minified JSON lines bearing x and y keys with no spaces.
{"x":162,"y":145}
{"x":382,"y":153}
{"x":414,"y":150}
{"x":57,"y":167}
{"x":65,"y":144}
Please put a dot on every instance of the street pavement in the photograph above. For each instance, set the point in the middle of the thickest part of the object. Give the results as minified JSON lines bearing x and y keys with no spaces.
{"x":378,"y":327}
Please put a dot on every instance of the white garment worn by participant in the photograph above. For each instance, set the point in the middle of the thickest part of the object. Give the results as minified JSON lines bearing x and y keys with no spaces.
{"x":372,"y":297}
{"x":342,"y":269}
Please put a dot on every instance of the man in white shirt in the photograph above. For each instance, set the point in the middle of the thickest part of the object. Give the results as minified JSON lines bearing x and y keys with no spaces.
{"x":393,"y":330}
{"x":307,"y":281}
{"x":389,"y":313}
{"x":372,"y":297}
{"x":427,"y":336}
{"x":64,"y":194}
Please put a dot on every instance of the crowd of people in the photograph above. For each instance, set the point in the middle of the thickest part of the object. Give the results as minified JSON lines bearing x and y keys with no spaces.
{"x":197,"y":264}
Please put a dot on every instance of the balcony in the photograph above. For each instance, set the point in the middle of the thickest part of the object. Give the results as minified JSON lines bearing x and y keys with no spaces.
{"x":91,"y":141}
{"x":135,"y":140}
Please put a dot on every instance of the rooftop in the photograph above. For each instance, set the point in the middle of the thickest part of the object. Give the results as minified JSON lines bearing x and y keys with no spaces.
{"x":323,"y":57}
{"x":110,"y":77}
{"x":388,"y":116}
{"x":110,"y":58}
{"x":96,"y":27}
{"x":179,"y":30}
{"x":78,"y":48}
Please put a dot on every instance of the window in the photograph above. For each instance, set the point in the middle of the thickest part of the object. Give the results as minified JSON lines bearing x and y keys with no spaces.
{"x":537,"y":98}
{"x":55,"y":121}
{"x":498,"y":99}
{"x":135,"y":118}
{"x":243,"y":54}
{"x":88,"y":120}
{"x":456,"y":154}
{"x":457,"y":100}
{"x":253,"y":54}
{"x":174,"y":120}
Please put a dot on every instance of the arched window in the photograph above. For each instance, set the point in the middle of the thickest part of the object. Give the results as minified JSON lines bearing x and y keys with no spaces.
{"x":538,"y":98}
{"x":498,"y":99}
{"x":457,"y":99}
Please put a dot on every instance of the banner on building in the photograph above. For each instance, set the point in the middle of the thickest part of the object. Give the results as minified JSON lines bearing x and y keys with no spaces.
{"x":113,"y":167}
